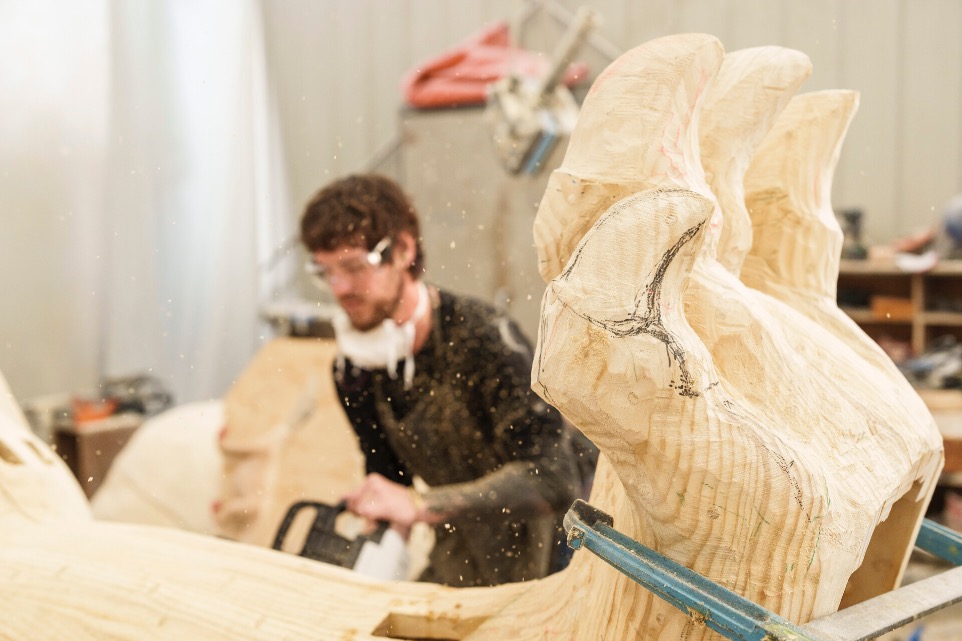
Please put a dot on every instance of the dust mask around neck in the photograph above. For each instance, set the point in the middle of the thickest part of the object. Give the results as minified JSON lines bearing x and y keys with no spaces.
{"x":383,"y":346}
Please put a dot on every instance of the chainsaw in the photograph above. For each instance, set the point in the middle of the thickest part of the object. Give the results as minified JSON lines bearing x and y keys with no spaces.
{"x":380,"y":554}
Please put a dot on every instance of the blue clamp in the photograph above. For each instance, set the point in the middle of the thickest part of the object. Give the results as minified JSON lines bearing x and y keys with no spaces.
{"x":734,"y":616}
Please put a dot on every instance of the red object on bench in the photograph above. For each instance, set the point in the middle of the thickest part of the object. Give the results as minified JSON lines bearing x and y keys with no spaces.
{"x":460,"y":76}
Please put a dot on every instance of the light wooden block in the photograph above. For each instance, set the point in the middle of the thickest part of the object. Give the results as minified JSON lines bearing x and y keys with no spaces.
{"x":285,"y":439}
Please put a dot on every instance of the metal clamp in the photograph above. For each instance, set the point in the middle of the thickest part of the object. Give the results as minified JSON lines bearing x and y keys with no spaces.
{"x":735,"y":617}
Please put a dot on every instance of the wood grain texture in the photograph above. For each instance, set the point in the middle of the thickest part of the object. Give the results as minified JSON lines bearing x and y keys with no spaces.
{"x":788,"y":192}
{"x":93,"y":580}
{"x":634,"y":132}
{"x":745,"y":458}
{"x":142,"y":486}
{"x":65,"y":575}
{"x":36,"y":486}
{"x":752,"y":87}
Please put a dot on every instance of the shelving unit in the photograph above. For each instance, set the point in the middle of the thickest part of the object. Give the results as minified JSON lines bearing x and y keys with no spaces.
{"x":89,"y":448}
{"x":889,"y":303}
{"x":915,"y":308}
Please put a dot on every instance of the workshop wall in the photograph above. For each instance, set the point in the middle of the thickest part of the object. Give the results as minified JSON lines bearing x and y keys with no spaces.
{"x":337,"y":67}
{"x":52,"y":151}
{"x":334,"y":69}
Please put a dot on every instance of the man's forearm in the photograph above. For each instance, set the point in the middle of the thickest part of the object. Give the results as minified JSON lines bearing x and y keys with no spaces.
{"x":518,"y":488}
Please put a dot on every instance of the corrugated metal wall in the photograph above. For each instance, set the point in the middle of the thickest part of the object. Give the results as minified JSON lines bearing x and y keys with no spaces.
{"x":337,"y":66}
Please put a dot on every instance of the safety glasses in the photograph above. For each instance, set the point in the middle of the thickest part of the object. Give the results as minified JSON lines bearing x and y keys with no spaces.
{"x":352,"y":269}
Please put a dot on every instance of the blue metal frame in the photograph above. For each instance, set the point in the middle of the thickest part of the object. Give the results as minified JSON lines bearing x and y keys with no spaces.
{"x":708,"y":603}
{"x":722,"y":610}
{"x":940,"y":541}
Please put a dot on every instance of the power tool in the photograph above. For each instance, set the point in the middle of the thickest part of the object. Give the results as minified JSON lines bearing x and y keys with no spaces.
{"x":380,"y":554}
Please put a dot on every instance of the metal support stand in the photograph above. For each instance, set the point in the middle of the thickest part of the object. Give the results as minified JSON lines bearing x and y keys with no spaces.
{"x":735,"y":617}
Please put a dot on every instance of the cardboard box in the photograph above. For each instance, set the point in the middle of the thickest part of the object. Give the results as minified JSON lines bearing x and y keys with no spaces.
{"x":891,"y":307}
{"x":88,"y":448}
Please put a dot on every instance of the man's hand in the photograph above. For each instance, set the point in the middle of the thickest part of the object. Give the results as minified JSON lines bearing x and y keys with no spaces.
{"x":379,"y":499}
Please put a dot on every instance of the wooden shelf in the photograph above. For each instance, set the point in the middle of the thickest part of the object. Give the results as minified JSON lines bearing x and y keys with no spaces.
{"x":944,"y":281}
{"x":862,"y":281}
{"x":889,"y":268}
{"x":867,"y":316}
{"x":946,"y":408}
{"x":946,"y":319}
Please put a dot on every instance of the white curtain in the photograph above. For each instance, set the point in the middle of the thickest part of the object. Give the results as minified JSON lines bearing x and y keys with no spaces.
{"x":53,"y":120}
{"x":197,"y":198}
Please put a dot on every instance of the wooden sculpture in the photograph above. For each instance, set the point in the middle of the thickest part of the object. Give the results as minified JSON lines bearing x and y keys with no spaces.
{"x":788,"y":191}
{"x":725,"y":391}
{"x":788,"y":194}
{"x":286,"y":439}
{"x":142,"y":486}
{"x":739,"y":436}
{"x":37,"y":486}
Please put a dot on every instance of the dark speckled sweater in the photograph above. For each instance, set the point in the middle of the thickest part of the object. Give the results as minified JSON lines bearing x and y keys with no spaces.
{"x":494,"y":454}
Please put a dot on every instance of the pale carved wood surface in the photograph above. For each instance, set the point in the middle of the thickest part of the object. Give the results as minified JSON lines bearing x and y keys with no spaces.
{"x":65,"y":575}
{"x":751,"y":88}
{"x":285,"y":439}
{"x":9,"y":404}
{"x":142,"y":486}
{"x":788,"y":191}
{"x":759,"y":469}
{"x":633,"y":133}
{"x":94,"y":581}
{"x":739,"y":437}
{"x":840,"y":431}
{"x":36,"y":487}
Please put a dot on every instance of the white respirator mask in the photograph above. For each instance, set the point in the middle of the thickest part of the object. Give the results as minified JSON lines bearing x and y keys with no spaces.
{"x":383,"y":346}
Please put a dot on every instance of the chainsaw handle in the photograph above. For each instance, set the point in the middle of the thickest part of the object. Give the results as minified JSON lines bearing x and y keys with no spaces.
{"x":322,"y":510}
{"x":322,"y":543}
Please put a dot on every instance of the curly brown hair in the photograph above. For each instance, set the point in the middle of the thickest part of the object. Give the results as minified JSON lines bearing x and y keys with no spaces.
{"x":360,"y":210}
